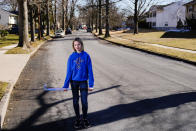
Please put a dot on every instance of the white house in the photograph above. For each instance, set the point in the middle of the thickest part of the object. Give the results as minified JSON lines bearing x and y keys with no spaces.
{"x":164,"y":17}
{"x":7,"y":18}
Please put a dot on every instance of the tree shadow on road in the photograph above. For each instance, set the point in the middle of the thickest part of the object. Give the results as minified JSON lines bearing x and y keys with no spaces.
{"x":27,"y":124}
{"x":117,"y":112}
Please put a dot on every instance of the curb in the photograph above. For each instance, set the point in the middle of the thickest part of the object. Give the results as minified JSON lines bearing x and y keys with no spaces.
{"x":151,"y":52}
{"x":5,"y":99}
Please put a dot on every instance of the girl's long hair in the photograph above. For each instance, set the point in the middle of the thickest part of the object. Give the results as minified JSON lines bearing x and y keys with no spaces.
{"x":80,"y":41}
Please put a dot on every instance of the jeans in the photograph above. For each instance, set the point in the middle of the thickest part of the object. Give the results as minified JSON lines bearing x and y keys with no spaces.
{"x":83,"y":87}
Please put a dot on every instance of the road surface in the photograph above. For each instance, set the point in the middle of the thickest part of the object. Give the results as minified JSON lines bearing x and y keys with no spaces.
{"x":134,"y":91}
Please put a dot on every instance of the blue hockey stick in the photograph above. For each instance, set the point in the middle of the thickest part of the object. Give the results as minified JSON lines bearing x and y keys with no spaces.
{"x":54,"y":89}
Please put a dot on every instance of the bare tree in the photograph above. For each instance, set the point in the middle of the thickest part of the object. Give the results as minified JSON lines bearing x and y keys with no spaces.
{"x":55,"y":24}
{"x":23,"y":24}
{"x":66,"y":13}
{"x":48,"y":18}
{"x":32,"y":8}
{"x":107,"y":27}
{"x":100,"y":19}
{"x":97,"y":8}
{"x":96,"y":14}
{"x":138,"y":9}
{"x":63,"y":14}
{"x":12,"y":5}
{"x":54,"y":14}
{"x":72,"y":11}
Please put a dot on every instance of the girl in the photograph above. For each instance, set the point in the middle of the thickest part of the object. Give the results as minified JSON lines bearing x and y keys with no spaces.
{"x":79,"y":70}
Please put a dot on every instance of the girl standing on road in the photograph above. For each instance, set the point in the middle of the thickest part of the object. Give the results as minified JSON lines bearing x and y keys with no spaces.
{"x":79,"y":75}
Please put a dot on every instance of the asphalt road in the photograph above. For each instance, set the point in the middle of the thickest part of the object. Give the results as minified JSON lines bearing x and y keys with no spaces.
{"x":134,"y":91}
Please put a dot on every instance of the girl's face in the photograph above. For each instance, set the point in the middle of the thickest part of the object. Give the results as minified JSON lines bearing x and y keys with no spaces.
{"x":77,"y":46}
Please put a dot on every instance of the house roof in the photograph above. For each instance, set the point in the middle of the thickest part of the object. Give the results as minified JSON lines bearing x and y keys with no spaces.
{"x":191,"y":3}
{"x":160,"y":6}
{"x":9,"y":12}
{"x":14,"y":12}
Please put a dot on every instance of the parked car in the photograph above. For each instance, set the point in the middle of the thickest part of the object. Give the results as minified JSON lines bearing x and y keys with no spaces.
{"x":13,"y":30}
{"x":59,"y":33}
{"x":89,"y":29}
{"x":178,"y":30}
{"x":68,"y":31}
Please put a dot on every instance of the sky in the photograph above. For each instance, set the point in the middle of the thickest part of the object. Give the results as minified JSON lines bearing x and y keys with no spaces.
{"x":125,"y":3}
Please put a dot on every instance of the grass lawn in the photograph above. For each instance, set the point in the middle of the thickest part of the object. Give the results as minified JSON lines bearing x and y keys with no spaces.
{"x":148,"y":47}
{"x":3,"y":86}
{"x":20,"y":50}
{"x":155,"y":38}
{"x":8,"y":40}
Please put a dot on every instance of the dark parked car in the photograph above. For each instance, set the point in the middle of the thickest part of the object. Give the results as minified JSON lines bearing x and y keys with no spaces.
{"x":68,"y":31}
{"x":13,"y":30}
{"x":89,"y":30}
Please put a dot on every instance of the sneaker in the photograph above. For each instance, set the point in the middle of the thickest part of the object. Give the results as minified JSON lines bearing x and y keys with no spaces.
{"x":86,"y":123}
{"x":77,"y":124}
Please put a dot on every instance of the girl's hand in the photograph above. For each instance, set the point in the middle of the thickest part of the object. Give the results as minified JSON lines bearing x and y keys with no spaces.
{"x":65,"y":89}
{"x":90,"y":89}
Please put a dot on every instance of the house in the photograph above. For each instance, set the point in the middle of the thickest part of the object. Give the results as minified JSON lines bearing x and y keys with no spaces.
{"x":130,"y":21}
{"x":191,"y":10}
{"x":165,"y":17}
{"x":8,"y":19}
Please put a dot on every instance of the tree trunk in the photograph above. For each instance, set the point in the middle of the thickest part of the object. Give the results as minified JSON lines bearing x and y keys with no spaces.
{"x":48,"y":19}
{"x":136,"y":17}
{"x":100,"y":19}
{"x":63,"y":14}
{"x":55,"y":17}
{"x":70,"y":23}
{"x":92,"y":18}
{"x":96,"y":23}
{"x":23,"y":24}
{"x":39,"y":23}
{"x":107,"y":27}
{"x":89,"y":21}
{"x":66,"y":14}
{"x":32,"y":24}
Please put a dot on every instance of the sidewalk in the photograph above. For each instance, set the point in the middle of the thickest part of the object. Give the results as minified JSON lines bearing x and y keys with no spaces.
{"x":11,"y":68}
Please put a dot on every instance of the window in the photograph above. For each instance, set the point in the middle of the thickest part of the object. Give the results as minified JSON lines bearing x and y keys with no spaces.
{"x":166,"y":23}
{"x":154,"y":14}
{"x":190,"y":9}
{"x":154,"y":24}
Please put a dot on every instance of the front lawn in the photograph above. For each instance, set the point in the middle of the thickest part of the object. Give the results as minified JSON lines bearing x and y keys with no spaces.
{"x":20,"y":50}
{"x":8,"y":40}
{"x":141,"y":41}
{"x":156,"y":38}
{"x":3,"y":87}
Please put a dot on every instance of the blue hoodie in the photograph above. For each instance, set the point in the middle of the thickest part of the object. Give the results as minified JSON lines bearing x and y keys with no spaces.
{"x":79,"y":68}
